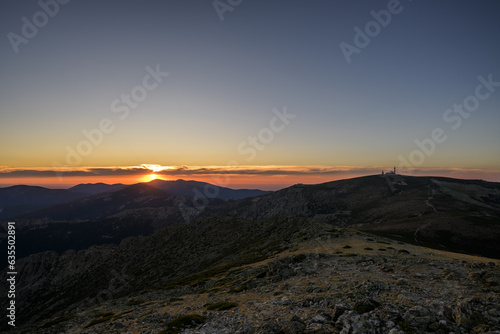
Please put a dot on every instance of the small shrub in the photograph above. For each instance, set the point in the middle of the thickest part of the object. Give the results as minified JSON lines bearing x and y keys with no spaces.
{"x":176,"y":325}
{"x":261,"y":275}
{"x":438,"y":328}
{"x":368,"y":248}
{"x":366,"y":305}
{"x":241,"y":288}
{"x":101,"y":317}
{"x":404,"y":326}
{"x":347,"y":247}
{"x":135,"y":302}
{"x":221,"y":306}
{"x":57,"y":321}
{"x":299,"y":258}
{"x":104,"y":314}
{"x":175,"y":299}
{"x":202,"y":292}
{"x":382,"y":249}
{"x":146,"y":314}
{"x":122,"y":313}
{"x":474,"y":320}
{"x":403,"y":251}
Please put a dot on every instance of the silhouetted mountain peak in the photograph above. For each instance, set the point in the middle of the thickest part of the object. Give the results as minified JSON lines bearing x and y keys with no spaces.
{"x":197,"y":188}
{"x":96,"y":188}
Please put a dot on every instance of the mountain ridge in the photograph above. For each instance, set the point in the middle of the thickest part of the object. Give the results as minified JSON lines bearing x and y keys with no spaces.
{"x":20,"y":199}
{"x":424,"y":210}
{"x":96,"y":188}
{"x":208,"y":190}
{"x":34,"y":205}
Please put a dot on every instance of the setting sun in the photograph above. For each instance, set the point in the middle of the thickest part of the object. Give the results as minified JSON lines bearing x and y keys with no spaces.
{"x":150,"y":177}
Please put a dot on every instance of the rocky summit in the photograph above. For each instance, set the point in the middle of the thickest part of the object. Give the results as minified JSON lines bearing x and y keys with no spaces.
{"x":340,"y":281}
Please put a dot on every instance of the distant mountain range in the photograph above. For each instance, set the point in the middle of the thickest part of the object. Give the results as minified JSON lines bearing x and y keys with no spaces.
{"x":18,"y":200}
{"x":104,"y":204}
{"x":94,"y":214}
{"x":86,"y":201}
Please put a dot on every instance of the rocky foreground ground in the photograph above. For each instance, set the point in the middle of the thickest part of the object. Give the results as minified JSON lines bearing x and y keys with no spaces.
{"x":345,"y":282}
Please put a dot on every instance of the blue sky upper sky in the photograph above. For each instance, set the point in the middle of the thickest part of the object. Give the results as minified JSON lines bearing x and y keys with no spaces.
{"x":225,"y":78}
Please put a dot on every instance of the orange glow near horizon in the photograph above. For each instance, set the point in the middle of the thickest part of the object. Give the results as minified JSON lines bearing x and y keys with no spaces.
{"x":151,"y":177}
{"x":229,"y":181}
{"x":256,"y":177}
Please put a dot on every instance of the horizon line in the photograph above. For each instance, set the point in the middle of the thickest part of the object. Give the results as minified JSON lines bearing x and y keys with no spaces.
{"x":271,"y":177}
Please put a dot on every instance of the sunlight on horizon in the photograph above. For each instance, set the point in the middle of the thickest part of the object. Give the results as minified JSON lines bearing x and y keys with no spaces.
{"x":152,"y":177}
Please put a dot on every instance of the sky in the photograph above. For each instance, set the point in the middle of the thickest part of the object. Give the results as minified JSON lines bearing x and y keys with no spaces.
{"x":262,"y":94}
